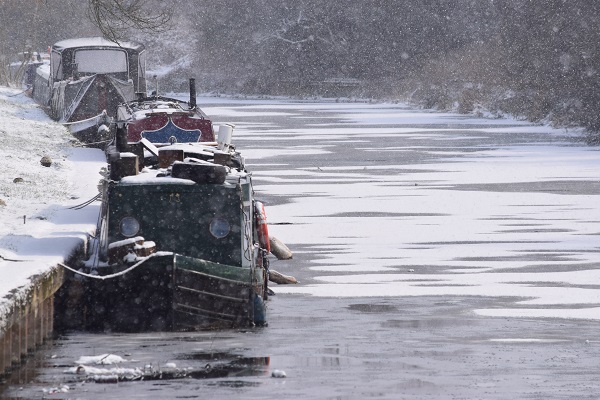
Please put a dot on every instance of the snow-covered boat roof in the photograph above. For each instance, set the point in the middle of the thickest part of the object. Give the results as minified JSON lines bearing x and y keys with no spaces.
{"x":204,"y":147}
{"x":95,"y":42}
{"x":150,"y":176}
{"x":158,"y":107}
{"x":140,"y":109}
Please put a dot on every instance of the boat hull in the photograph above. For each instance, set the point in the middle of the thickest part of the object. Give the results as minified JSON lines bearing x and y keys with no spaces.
{"x":166,"y":292}
{"x":208,"y":295}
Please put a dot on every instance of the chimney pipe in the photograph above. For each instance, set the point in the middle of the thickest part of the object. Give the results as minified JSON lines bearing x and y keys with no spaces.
{"x":192,"y":93}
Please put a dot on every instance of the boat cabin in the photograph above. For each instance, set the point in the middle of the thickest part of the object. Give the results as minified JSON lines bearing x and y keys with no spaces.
{"x":73,"y":58}
{"x":86,"y":80}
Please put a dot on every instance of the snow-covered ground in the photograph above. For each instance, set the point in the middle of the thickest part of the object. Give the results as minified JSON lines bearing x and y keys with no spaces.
{"x":38,"y":228}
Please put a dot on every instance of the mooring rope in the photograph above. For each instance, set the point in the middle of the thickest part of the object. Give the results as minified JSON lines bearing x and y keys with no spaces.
{"x":86,"y":203}
{"x":105,"y":277}
{"x":95,"y":143}
{"x":16,"y":94}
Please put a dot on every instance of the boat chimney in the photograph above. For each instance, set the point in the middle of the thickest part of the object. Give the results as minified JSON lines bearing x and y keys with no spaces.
{"x":192,"y":93}
{"x":156,"y":89}
{"x":121,"y":137}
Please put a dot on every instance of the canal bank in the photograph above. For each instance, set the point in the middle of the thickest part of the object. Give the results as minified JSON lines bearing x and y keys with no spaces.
{"x":44,"y":181}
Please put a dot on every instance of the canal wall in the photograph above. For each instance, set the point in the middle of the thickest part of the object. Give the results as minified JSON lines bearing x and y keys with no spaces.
{"x":27,"y":314}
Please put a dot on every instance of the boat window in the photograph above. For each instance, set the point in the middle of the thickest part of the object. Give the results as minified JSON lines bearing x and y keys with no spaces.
{"x":56,"y":62}
{"x":98,"y":61}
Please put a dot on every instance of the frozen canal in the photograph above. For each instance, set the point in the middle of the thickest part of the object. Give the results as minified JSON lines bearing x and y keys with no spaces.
{"x":439,"y":257}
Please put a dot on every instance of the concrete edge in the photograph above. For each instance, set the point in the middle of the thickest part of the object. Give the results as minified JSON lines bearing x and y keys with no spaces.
{"x":27,"y":319}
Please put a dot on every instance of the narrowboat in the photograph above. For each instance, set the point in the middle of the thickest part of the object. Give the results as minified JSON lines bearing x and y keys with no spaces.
{"x":86,"y":80}
{"x":182,"y":242}
{"x":163,"y":120}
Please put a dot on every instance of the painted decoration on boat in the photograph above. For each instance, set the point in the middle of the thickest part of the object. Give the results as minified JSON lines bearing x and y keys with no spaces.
{"x":171,"y":133}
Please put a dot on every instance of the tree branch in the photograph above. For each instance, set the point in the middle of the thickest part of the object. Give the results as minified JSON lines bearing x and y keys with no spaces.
{"x":115,"y":18}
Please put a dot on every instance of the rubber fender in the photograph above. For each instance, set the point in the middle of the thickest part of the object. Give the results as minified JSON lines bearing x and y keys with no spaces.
{"x":260,"y":311}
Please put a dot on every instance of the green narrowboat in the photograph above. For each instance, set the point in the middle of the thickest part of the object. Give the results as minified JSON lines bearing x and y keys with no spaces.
{"x":183,"y":244}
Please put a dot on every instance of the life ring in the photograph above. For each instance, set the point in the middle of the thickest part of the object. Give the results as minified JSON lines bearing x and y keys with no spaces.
{"x":262,"y":229}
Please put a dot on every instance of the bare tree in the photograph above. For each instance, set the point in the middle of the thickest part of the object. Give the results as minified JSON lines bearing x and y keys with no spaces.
{"x":115,"y":18}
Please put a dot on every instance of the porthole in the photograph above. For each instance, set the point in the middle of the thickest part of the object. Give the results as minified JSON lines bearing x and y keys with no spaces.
{"x":129,"y":227}
{"x":219,"y":227}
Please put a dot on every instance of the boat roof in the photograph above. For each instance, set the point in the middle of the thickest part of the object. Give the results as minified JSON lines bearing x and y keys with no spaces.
{"x":156,"y":177}
{"x":139,"y":109}
{"x":95,"y":42}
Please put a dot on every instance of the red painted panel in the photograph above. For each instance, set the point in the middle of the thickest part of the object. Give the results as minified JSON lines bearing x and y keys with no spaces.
{"x":157,"y":121}
{"x":151,"y":123}
{"x":204,"y":125}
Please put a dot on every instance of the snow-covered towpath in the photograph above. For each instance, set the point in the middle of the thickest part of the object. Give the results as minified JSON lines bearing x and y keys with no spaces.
{"x":38,"y":228}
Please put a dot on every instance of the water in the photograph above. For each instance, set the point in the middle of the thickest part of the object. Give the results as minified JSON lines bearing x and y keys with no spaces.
{"x":337,"y":348}
{"x":438,"y":256}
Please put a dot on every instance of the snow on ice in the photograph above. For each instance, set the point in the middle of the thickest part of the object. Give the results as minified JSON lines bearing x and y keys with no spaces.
{"x":473,"y":242}
{"x":102,"y":359}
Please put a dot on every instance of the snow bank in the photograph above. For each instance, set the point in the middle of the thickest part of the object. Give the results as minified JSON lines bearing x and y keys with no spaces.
{"x":38,"y":228}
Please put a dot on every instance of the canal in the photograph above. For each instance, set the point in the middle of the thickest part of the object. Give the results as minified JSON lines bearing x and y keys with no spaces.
{"x":438,"y":256}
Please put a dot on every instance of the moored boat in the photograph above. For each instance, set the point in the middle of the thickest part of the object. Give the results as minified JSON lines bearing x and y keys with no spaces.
{"x":183,"y":244}
{"x":163,"y":120}
{"x":86,"y":79}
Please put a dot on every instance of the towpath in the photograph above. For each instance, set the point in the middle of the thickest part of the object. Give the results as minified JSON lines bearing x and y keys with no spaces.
{"x":39,"y":229}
